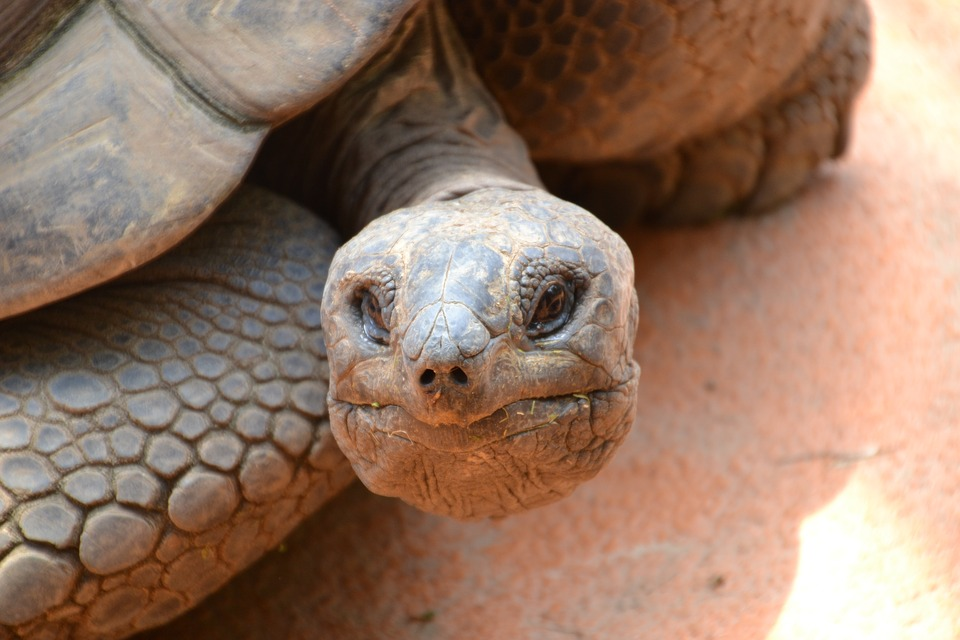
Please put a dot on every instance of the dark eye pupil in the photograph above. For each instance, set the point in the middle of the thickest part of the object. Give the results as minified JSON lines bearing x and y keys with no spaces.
{"x":551,"y":304}
{"x":552,"y":310}
{"x":373,"y":324}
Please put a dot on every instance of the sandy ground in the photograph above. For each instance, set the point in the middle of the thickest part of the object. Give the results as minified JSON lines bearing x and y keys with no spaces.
{"x":795,"y":466}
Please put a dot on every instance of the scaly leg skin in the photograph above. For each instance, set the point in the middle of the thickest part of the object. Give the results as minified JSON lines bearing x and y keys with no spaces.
{"x":740,"y":137}
{"x":746,"y":168}
{"x":159,"y":434}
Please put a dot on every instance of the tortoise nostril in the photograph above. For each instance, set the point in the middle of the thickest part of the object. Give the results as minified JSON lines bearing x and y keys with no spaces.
{"x":427,"y":377}
{"x":459,"y":376}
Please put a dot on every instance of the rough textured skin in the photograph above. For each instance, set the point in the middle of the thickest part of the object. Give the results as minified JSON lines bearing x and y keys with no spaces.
{"x":129,"y":492}
{"x":160,"y":433}
{"x":129,"y":123}
{"x":679,"y":110}
{"x":507,"y":431}
{"x":416,"y":124}
{"x":463,"y":407}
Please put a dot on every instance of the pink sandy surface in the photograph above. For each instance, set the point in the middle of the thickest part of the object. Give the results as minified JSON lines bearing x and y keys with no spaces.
{"x":794,"y":471}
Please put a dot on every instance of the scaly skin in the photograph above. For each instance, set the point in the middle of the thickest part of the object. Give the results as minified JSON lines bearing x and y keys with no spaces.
{"x":130,"y":492}
{"x":462,"y":406}
{"x":415,"y":133}
{"x":159,"y":434}
{"x":673,"y":111}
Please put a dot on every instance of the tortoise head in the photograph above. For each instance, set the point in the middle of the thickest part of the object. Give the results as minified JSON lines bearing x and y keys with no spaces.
{"x":480,"y":351}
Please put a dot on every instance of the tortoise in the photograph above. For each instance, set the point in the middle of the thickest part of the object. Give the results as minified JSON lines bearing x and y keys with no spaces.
{"x":468,"y":350}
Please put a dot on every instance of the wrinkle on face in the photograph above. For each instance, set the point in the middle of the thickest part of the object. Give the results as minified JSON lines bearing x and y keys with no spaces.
{"x":562,"y":416}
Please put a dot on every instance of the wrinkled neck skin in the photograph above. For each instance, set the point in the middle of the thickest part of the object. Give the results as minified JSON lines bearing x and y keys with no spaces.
{"x":419,"y":126}
{"x":416,"y":125}
{"x":479,"y":330}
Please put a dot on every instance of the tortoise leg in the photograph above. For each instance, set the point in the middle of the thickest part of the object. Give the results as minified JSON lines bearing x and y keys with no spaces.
{"x":160,"y":433}
{"x":749,"y":166}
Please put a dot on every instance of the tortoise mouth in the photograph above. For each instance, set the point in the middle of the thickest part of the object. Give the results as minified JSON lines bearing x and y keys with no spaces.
{"x":525,"y":454}
{"x":509,"y":421}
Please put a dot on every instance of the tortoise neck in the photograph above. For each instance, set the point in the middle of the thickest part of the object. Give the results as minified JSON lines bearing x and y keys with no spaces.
{"x":415,"y":125}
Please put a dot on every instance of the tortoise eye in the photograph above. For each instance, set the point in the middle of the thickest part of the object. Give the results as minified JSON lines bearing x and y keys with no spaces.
{"x":551,"y":310}
{"x":373,"y":325}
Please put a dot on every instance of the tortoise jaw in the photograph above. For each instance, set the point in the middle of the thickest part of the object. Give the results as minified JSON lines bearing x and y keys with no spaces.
{"x":511,"y":420}
{"x":526,"y":454}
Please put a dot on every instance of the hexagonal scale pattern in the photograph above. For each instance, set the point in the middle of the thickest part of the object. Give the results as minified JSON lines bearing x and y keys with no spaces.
{"x":588,"y":80}
{"x":159,"y":434}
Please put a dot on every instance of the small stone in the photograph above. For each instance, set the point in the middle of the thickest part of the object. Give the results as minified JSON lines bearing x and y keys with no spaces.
{"x":188,"y":347}
{"x":200,"y":327}
{"x":251,"y":328}
{"x":272,"y":314}
{"x":79,"y":391}
{"x":201,"y":500}
{"x":152,"y":350}
{"x":290,"y":294}
{"x":221,"y":450}
{"x":309,"y":317}
{"x":107,"y":361}
{"x":236,"y":386}
{"x":292,"y":433}
{"x":138,"y":377}
{"x":94,"y":448}
{"x":170,"y":330}
{"x":138,"y":487}
{"x":80,"y":427}
{"x":243,"y":544}
{"x":191,"y":425}
{"x":112,"y":582}
{"x":195,"y":574}
{"x":170,"y":548}
{"x":33,"y":581}
{"x":265,"y":371}
{"x":165,"y":606}
{"x":175,"y":371}
{"x":265,"y":474}
{"x":50,"y":437}
{"x":14,"y":432}
{"x":88,"y":486}
{"x":36,"y":408}
{"x":283,"y":337}
{"x":225,"y":322}
{"x":310,"y":398}
{"x":296,"y":366}
{"x":167,"y":455}
{"x":127,"y":443}
{"x":68,"y":459}
{"x":153,"y":409}
{"x":252,"y":423}
{"x":221,"y":412}
{"x":210,"y":366}
{"x":117,"y":609}
{"x":219,"y":341}
{"x":271,"y":395}
{"x":9,"y":536}
{"x":87,"y":591}
{"x":51,"y":520}
{"x":8,"y":404}
{"x":245,"y":353}
{"x":6,"y":504}
{"x":64,"y":612}
{"x":17,"y":384}
{"x":115,"y":538}
{"x":26,"y":474}
{"x":196,"y":394}
{"x":147,"y":575}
